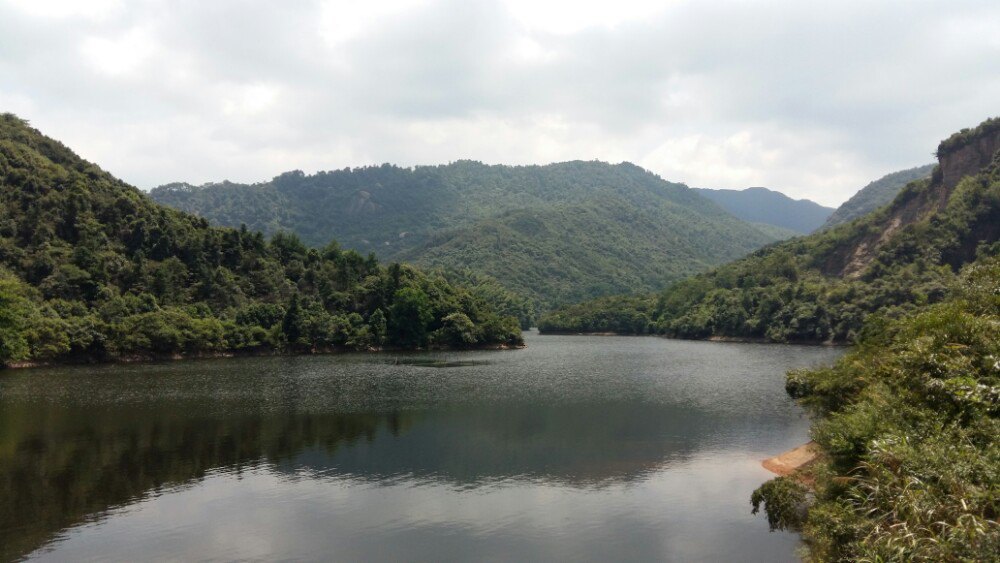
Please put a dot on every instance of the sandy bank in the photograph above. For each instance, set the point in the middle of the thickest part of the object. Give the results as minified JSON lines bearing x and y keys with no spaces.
{"x":792,"y":460}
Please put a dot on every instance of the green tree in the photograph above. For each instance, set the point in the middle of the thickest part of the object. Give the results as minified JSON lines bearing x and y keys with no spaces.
{"x":15,"y":311}
{"x":379,"y":330}
{"x":409,"y":316}
{"x":293,"y":324}
{"x":908,"y":423}
{"x":457,"y":330}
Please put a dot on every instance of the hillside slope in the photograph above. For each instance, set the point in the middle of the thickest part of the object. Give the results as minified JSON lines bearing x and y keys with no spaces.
{"x":558,"y":233}
{"x":92,"y":269}
{"x":761,"y":205}
{"x":908,"y":426}
{"x":822,"y":287}
{"x":876,"y":194}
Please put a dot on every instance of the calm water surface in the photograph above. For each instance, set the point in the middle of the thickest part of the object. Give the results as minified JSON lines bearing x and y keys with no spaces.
{"x":577,"y":448}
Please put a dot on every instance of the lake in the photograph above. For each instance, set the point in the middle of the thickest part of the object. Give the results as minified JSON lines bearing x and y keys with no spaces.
{"x":578,"y":448}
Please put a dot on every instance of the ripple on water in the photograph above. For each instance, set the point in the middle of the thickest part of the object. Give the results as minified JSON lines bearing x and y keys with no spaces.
{"x":581,"y":448}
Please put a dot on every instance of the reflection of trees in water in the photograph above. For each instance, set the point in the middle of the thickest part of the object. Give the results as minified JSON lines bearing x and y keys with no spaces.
{"x":573,"y":445}
{"x":60,"y":466}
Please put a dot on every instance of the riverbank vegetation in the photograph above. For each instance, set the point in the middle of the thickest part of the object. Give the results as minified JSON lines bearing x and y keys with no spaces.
{"x":909,"y":423}
{"x":777,"y":295}
{"x":92,"y":269}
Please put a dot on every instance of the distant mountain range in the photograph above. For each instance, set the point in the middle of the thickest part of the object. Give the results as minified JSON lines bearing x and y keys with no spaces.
{"x":761,"y":205}
{"x":559,"y":233}
{"x":877,"y":194}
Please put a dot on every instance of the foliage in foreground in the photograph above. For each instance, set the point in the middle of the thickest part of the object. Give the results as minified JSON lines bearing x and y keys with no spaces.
{"x":91,"y":268}
{"x":909,"y":422}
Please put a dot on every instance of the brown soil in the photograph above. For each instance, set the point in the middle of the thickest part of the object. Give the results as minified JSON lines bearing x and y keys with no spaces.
{"x":792,"y":460}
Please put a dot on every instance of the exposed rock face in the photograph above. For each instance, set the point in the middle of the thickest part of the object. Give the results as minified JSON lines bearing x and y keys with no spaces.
{"x":877,"y":194}
{"x":968,"y":159}
{"x":965,"y":154}
{"x":362,"y":203}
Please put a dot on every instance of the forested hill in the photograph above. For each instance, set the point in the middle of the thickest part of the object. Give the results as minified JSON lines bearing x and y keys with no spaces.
{"x":877,"y":194}
{"x":559,"y":233}
{"x":92,"y":269}
{"x":821,"y":287}
{"x":761,"y":205}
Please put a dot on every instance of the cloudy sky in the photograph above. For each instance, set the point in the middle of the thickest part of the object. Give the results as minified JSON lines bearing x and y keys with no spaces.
{"x":811,"y":98}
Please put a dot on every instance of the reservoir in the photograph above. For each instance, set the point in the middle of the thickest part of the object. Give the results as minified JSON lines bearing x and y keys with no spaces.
{"x":580,"y":448}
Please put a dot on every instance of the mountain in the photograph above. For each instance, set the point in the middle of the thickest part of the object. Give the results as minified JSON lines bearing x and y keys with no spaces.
{"x":876,"y":194}
{"x":821,"y":287}
{"x":557,"y":234}
{"x":92,"y":269}
{"x":761,"y":205}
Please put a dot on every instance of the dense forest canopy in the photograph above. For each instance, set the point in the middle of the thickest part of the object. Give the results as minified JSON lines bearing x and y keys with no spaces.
{"x":909,"y":425}
{"x":92,"y":268}
{"x":761,"y":205}
{"x":554,"y":234}
{"x":822,"y":287}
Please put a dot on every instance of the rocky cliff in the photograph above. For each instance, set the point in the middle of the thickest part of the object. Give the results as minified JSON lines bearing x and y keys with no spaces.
{"x":965,"y":153}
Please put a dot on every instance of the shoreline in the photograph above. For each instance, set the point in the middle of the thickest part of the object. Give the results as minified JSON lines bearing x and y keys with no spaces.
{"x":222,"y":354}
{"x":572,"y":333}
{"x":734,"y":339}
{"x":791,"y":461}
{"x":749,"y":340}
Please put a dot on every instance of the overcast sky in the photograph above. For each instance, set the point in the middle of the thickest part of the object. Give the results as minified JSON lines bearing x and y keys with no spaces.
{"x":814,"y":99}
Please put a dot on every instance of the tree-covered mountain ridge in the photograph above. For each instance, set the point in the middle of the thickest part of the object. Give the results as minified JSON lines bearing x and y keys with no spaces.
{"x":557,"y":233}
{"x":821,"y":287}
{"x":92,"y":269}
{"x":770,"y":207}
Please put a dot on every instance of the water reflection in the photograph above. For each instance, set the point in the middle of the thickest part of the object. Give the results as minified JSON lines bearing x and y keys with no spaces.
{"x":362,"y":441}
{"x":435,"y":362}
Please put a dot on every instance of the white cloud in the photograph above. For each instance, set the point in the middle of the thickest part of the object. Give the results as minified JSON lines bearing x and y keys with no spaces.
{"x":249,"y":100}
{"x":87,"y":9}
{"x":572,"y":16}
{"x":526,"y":49}
{"x":341,"y":21}
{"x":812,"y":100}
{"x":118,"y":55}
{"x":807,"y":165}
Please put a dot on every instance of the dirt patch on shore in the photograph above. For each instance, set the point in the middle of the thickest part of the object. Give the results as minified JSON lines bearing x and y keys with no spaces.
{"x":794,"y":459}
